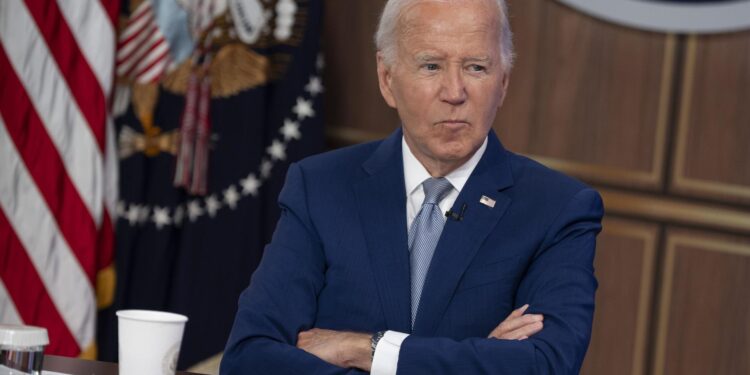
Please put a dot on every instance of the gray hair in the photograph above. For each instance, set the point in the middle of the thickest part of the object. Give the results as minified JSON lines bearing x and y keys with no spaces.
{"x":385,"y":36}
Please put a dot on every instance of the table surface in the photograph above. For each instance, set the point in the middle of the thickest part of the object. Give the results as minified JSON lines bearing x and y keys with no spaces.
{"x":77,"y":366}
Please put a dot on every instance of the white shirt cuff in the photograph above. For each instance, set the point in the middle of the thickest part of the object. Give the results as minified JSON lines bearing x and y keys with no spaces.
{"x":385,"y":360}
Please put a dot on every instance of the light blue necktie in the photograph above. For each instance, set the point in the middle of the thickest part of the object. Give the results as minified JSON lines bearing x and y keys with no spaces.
{"x":424,"y":235}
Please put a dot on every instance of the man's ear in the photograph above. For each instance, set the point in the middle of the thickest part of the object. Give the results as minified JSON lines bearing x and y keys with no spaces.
{"x":506,"y":81}
{"x":385,"y":78}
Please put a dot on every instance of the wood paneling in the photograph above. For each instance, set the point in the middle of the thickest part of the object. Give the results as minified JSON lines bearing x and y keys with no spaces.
{"x":518,"y":109}
{"x":587,"y":96}
{"x":714,"y":127}
{"x":679,"y":211}
{"x":704,"y":317}
{"x":624,"y":267}
{"x":353,"y":98}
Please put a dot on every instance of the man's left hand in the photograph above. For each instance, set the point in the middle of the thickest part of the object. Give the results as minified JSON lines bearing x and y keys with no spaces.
{"x":343,"y":349}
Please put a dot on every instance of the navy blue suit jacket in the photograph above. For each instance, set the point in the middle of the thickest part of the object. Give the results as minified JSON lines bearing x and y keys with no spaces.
{"x":339,"y":260}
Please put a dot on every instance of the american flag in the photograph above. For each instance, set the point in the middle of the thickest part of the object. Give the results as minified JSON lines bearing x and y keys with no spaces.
{"x":142,"y":50}
{"x":57,"y":166}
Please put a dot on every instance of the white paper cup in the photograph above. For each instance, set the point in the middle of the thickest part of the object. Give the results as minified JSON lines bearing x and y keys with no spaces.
{"x":149,"y":341}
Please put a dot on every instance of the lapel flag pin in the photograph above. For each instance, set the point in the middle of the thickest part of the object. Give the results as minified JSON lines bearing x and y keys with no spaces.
{"x":487,"y":201}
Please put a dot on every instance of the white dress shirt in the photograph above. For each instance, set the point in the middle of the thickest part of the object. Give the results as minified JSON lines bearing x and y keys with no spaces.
{"x":385,"y":360}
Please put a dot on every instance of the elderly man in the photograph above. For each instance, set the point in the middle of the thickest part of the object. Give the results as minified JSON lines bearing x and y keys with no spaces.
{"x":435,"y":250}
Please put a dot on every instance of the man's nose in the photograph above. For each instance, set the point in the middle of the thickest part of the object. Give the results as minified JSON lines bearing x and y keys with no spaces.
{"x":454,"y":88}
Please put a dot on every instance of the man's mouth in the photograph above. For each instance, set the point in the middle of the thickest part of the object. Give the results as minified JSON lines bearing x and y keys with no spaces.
{"x":453,"y":124}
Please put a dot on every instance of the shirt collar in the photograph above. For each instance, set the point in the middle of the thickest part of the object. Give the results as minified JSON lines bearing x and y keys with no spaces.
{"x":415,"y":173}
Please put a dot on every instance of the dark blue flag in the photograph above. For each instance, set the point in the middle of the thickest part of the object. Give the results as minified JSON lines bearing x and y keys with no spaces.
{"x":204,"y":147}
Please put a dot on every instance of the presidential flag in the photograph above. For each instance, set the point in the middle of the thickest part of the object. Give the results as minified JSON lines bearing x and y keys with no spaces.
{"x":216,"y":98}
{"x":57,"y":167}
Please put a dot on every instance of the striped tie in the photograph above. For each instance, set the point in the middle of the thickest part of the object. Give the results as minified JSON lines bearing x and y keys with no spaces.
{"x":424,"y":235}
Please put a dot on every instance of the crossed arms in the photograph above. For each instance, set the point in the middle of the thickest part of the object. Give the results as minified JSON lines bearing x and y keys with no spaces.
{"x":353,"y":349}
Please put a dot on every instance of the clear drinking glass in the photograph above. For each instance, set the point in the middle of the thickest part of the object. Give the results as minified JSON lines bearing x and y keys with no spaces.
{"x":22,"y":349}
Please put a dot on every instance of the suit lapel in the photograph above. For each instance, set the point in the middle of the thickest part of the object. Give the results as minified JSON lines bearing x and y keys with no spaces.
{"x":381,"y":200}
{"x":460,"y":240}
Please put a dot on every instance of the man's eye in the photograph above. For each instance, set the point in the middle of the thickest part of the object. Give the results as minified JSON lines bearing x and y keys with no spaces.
{"x":477,"y":68}
{"x":431,"y":66}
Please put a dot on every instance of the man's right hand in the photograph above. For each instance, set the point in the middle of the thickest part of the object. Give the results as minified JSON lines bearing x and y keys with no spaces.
{"x":518,"y":326}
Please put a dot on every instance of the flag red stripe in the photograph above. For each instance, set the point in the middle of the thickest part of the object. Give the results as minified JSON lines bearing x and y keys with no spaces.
{"x":73,"y":65}
{"x":154,"y":74}
{"x":142,"y":9}
{"x":143,"y":52}
{"x":112,"y":7}
{"x":144,"y":43}
{"x":145,"y":26}
{"x":46,"y":168}
{"x":28,"y":293}
{"x":135,"y":53}
{"x":150,"y":65}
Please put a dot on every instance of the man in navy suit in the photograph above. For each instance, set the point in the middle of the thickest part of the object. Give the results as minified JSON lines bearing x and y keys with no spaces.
{"x":371,"y":270}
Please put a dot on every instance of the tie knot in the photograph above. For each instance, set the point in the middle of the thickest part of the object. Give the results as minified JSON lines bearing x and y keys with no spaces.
{"x":435,"y":189}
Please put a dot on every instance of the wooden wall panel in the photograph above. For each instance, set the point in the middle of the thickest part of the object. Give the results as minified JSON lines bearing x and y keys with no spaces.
{"x":704,"y":318}
{"x":713,"y":144}
{"x":676,"y":211}
{"x":624,"y":267}
{"x":354,"y":107}
{"x":588,"y":97}
{"x":518,"y":110}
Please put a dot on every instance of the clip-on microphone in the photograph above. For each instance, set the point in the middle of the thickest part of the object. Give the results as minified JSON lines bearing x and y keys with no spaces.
{"x":456,"y":216}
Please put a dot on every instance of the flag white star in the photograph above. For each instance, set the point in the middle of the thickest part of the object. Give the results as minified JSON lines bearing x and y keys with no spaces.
{"x":315,"y":86}
{"x":212,"y":205}
{"x":179,"y":214}
{"x":120,"y":209}
{"x":231,"y":196}
{"x":250,"y":185}
{"x":161,"y":217}
{"x":290,"y":130}
{"x":303,"y":109}
{"x":194,"y":210}
{"x":277,"y":150}
{"x":265,"y":168}
{"x":320,"y":63}
{"x":143,"y":214}
{"x":132,"y":214}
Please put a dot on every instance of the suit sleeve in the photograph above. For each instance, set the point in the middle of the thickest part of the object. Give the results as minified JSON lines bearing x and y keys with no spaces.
{"x":281,"y":300}
{"x":559,"y":283}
